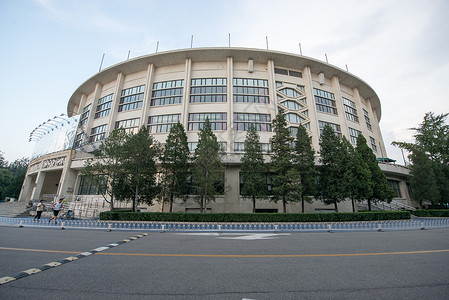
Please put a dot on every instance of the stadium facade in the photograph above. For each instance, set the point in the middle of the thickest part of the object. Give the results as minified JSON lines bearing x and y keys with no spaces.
{"x":233,"y":88}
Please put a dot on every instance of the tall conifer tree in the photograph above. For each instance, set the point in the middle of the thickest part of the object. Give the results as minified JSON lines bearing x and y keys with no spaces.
{"x":175,"y":165}
{"x":207,"y":168}
{"x":305,"y":163}
{"x":423,"y":180}
{"x":334,"y":170}
{"x":286,"y":184}
{"x":381,"y":190}
{"x":361,"y":184}
{"x":253,"y":170}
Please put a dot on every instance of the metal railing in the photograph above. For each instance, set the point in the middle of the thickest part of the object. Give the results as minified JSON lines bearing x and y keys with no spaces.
{"x":414,"y":224}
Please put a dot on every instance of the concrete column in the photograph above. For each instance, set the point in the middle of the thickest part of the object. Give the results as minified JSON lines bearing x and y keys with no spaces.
{"x":340,"y":109}
{"x":82,"y":104}
{"x":36,"y":194}
{"x":377,"y":134}
{"x":230,"y":99}
{"x":27,"y":187}
{"x":272,"y":88}
{"x":147,"y":97}
{"x":115,"y":102}
{"x":307,"y":77}
{"x":186,"y":93}
{"x":93,"y":108}
{"x":67,"y":180}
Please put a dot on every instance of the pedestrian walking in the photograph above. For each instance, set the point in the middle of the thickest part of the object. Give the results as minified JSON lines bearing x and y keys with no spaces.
{"x":39,"y":209}
{"x":56,"y":208}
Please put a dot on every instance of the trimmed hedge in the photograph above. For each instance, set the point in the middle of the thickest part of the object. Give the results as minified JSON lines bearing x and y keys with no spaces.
{"x":250,"y":217}
{"x":431,"y":212}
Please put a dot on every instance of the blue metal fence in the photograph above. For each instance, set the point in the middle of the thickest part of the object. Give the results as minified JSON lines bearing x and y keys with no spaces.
{"x":414,"y":224}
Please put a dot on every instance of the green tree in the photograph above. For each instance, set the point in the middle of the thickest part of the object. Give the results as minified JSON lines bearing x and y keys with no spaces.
{"x":18,"y":170}
{"x":432,"y":138}
{"x":304,"y":160}
{"x":253,"y":170}
{"x":138,"y":174}
{"x":381,"y":190}
{"x":361,"y":184}
{"x":6,"y":178}
{"x":175,"y":165}
{"x":285,"y":180}
{"x":3,"y":162}
{"x":423,"y":180}
{"x":104,"y":170}
{"x":206,"y":168}
{"x":335,"y":172}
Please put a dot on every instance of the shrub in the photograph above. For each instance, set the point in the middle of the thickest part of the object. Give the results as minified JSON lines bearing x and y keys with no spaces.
{"x":431,"y":212}
{"x":250,"y":217}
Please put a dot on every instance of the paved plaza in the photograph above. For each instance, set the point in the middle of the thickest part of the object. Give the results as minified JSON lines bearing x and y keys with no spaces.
{"x":98,"y":264}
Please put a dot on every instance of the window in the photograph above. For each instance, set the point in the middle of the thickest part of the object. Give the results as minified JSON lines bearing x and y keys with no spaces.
{"x":395,"y":186}
{"x":251,"y":90}
{"x":87,"y":187}
{"x":290,"y":104}
{"x":353,"y":134}
{"x":104,"y":106}
{"x":288,"y":72}
{"x":167,"y":92}
{"x":325,"y":101}
{"x":293,"y":118}
{"x":208,"y":90}
{"x":78,"y":140}
{"x":350,"y":110}
{"x":131,"y":98}
{"x":268,"y":180}
{"x":240,"y":147}
{"x":219,"y":183}
{"x":335,"y":127}
{"x":192,"y":146}
{"x":162,"y":123}
{"x":97,"y":133}
{"x":131,"y":126}
{"x":291,"y":93}
{"x":85,"y":114}
{"x":367,"y":120}
{"x":373,"y":144}
{"x":294,"y":130}
{"x":242,"y":121}
{"x":217,"y":121}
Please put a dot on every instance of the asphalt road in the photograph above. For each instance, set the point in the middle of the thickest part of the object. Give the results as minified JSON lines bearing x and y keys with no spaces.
{"x":349,"y":265}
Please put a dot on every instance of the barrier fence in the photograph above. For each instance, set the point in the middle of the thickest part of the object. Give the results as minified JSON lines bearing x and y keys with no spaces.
{"x":415,"y":224}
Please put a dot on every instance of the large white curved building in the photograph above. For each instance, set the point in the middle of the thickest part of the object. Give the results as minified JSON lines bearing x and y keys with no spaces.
{"x":233,"y":87}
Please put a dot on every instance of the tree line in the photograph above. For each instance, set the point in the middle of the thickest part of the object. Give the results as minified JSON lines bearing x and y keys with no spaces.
{"x":12,"y":176}
{"x":429,"y":156}
{"x":343,"y":172}
{"x":136,"y":168}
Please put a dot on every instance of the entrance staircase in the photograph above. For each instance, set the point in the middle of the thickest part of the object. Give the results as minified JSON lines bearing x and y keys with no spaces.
{"x":381,"y":205}
{"x":13,"y":209}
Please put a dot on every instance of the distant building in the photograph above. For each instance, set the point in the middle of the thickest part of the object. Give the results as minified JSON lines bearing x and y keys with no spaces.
{"x":233,"y":87}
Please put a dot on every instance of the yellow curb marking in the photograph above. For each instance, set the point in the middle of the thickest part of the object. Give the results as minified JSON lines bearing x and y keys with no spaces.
{"x":273,"y":255}
{"x":231,"y":255}
{"x":38,"y":250}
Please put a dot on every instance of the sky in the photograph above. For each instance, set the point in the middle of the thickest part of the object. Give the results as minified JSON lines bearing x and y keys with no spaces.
{"x":50,"y":47}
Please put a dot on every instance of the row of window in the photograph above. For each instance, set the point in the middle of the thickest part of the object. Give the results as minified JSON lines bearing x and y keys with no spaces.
{"x":212,"y":90}
{"x":353,"y":133}
{"x":242,"y":121}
